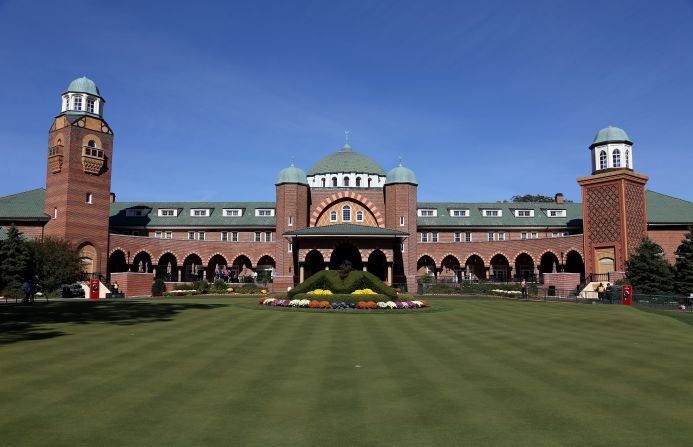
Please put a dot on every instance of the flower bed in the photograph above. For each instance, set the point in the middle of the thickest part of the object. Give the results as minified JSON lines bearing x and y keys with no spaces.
{"x":513,"y":293}
{"x":324,"y":304}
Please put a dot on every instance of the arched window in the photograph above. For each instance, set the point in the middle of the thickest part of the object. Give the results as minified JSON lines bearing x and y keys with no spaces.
{"x":616,"y":158}
{"x":627,"y":159}
{"x":91,"y":143}
{"x":358,"y":181}
{"x":60,"y":142}
{"x":334,"y":181}
{"x":323,"y":182}
{"x":602,"y":160}
{"x":346,"y":181}
{"x":359,"y":216}
{"x":369,"y":182}
{"x":333,"y":216}
{"x":346,"y":213}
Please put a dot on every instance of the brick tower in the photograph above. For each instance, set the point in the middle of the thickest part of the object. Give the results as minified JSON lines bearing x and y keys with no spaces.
{"x":613,"y":204}
{"x":78,"y":180}
{"x":291,"y":214}
{"x":400,"y":213}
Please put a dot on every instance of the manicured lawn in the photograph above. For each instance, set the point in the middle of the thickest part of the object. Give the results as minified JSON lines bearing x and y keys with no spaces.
{"x":220,"y":372}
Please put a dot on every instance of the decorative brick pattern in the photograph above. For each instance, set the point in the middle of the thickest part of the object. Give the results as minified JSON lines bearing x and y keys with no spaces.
{"x":604,"y":215}
{"x":636,"y":219}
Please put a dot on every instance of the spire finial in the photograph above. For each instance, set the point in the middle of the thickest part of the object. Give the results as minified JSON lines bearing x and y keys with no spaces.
{"x":346,"y":137}
{"x":292,"y":161}
{"x":400,"y":161}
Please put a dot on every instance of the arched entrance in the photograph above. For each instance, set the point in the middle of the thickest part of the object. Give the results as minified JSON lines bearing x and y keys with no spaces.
{"x":242,"y":269}
{"x":474,"y":268}
{"x":265,"y":268}
{"x":450,"y":269}
{"x":167,"y":268}
{"x":549,"y":263}
{"x":524,"y":267}
{"x":426,"y":267}
{"x":314,"y":263}
{"x":87,"y":258}
{"x":377,"y":264}
{"x":192,"y":268}
{"x":344,"y":252}
{"x":575,"y":264}
{"x":500,"y":268}
{"x":215,"y":268}
{"x":117,"y":262}
{"x":142,"y":263}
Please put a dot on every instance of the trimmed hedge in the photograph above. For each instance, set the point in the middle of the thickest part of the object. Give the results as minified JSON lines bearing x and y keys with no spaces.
{"x":330,"y":280}
{"x":342,"y":297}
{"x":479,"y":288}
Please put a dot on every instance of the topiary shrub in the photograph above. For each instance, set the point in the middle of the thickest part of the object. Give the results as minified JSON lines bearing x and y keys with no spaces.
{"x":201,"y":286}
{"x":248,"y":289}
{"x":342,"y":297}
{"x":355,"y":280}
{"x":219,"y":286}
{"x":158,"y":287}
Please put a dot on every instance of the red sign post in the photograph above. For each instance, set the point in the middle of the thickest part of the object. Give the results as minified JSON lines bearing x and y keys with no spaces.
{"x":627,"y":295}
{"x":94,"y":289}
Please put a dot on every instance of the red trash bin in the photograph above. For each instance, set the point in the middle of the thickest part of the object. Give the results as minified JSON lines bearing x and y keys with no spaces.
{"x":94,"y":289}
{"x":627,"y":295}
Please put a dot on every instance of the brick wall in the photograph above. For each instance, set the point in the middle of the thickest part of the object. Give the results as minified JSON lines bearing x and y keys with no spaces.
{"x":30,"y":230}
{"x":134,"y":284}
{"x":562,"y":281}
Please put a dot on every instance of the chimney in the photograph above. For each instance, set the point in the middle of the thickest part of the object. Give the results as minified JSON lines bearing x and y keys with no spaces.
{"x":112,"y":197}
{"x":560,"y":200}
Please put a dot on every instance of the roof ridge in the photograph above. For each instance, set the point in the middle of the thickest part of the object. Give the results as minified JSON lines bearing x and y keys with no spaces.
{"x":667,"y":195}
{"x":22,"y":192}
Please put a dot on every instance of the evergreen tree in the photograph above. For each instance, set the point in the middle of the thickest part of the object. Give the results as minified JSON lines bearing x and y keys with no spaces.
{"x":15,"y":264}
{"x":648,"y":271}
{"x":56,"y":262}
{"x":684,"y":265}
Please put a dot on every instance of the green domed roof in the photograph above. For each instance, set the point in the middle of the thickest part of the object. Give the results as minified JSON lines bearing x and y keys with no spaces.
{"x":346,"y":160}
{"x":83,"y":85}
{"x":610,"y":134}
{"x":292,"y":174}
{"x":400,"y":174}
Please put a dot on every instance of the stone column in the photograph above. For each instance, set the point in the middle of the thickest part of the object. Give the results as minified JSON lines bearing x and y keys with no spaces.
{"x":365,"y":267}
{"x":389,"y":273}
{"x":301,"y":273}
{"x":180,"y":274}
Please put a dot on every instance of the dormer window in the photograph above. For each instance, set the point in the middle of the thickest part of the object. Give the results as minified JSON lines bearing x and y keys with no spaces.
{"x":199,"y":212}
{"x":167,"y":212}
{"x":524,"y":213}
{"x":492,"y":213}
{"x":359,"y":216}
{"x":427,"y":212}
{"x":264,"y":212}
{"x":556,"y":213}
{"x":233,"y":212}
{"x":459,"y":213}
{"x":136,"y":212}
{"x":346,"y":213}
{"x":333,"y":216}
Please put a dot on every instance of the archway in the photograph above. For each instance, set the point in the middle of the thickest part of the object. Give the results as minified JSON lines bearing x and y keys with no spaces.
{"x":426,"y":267}
{"x":87,"y":258}
{"x":142,"y":263}
{"x":500,"y":268}
{"x":265,"y":268}
{"x":314,"y":263}
{"x":345,"y":252}
{"x":524,"y":267}
{"x":117,"y":262}
{"x":377,"y":264}
{"x":192,"y":268}
{"x":242,"y":269}
{"x":575,"y":264}
{"x":215,"y":267}
{"x":474,"y":268}
{"x":450,"y":269}
{"x":167,"y":268}
{"x":549,"y":263}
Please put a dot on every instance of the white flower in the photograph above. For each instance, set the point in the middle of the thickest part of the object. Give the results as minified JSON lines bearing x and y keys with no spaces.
{"x":304,"y":303}
{"x":382,"y":304}
{"x":418,"y":303}
{"x":268,"y":301}
{"x":391,"y":304}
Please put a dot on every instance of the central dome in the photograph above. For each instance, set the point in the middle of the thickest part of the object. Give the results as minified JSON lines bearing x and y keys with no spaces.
{"x":346,"y":160}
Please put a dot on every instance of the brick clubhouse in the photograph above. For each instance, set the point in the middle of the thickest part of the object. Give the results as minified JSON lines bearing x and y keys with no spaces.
{"x":345,"y":207}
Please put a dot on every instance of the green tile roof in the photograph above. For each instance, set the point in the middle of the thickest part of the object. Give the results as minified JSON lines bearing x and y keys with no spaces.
{"x":3,"y":234}
{"x":507,"y":219}
{"x":664,"y":209}
{"x":24,"y":206}
{"x":84,"y":85}
{"x":346,"y":160}
{"x":119,"y":218}
{"x":610,"y":134}
{"x":345,"y":230}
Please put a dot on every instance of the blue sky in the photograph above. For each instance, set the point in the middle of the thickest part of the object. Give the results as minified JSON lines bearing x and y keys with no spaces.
{"x":484,"y":100}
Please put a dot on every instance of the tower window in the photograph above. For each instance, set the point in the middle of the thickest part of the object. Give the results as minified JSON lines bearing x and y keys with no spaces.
{"x":616,"y":158}
{"x":369,"y":182}
{"x":358,"y":181}
{"x":346,"y":213}
{"x":90,"y":106}
{"x":602,"y":160}
{"x":401,"y":221}
{"x":90,"y":198}
{"x":346,"y":181}
{"x":291,"y":221}
{"x":334,"y":181}
{"x":77,"y":103}
{"x":55,"y":213}
{"x":91,"y":143}
{"x":627,"y":159}
{"x":323,"y":183}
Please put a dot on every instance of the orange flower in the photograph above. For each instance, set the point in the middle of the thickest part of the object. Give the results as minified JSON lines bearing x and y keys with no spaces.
{"x":361,"y":305}
{"x":372,"y":305}
{"x":324,"y":304}
{"x":314,"y":304}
